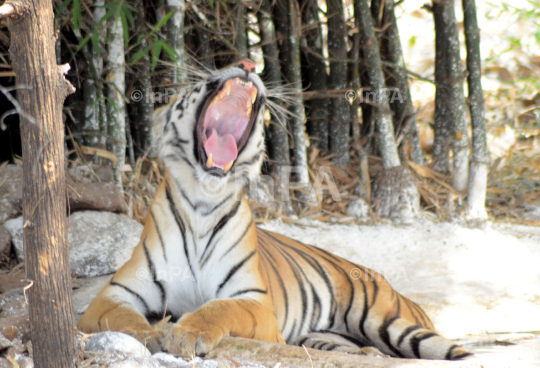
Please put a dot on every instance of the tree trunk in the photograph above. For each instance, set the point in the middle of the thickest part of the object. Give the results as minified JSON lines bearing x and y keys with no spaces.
{"x":340,"y":110}
{"x":91,"y":107}
{"x":95,"y":108}
{"x":206,"y":57}
{"x":441,"y":127}
{"x":240,"y":41}
{"x":117,"y":108}
{"x":454,"y":104}
{"x":97,"y":72}
{"x":42,"y":91}
{"x":175,"y":39}
{"x":394,"y":190}
{"x":293,"y":71}
{"x":476,"y":197}
{"x":277,"y":138}
{"x":377,"y":96}
{"x":396,"y":77}
{"x":143,"y":106}
{"x":318,"y":109}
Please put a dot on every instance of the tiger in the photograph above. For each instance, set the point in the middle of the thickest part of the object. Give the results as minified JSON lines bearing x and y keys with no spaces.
{"x":202,"y":261}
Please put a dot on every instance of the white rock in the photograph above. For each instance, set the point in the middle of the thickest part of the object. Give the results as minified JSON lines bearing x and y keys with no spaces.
{"x":99,"y":242}
{"x":136,"y":363}
{"x":169,"y":360}
{"x":89,"y":288}
{"x":11,"y":178}
{"x":532,"y":212}
{"x":359,"y":209}
{"x":115,"y":342}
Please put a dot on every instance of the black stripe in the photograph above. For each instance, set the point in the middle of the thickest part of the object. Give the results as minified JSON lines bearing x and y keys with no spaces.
{"x":168,"y":116}
{"x":187,"y":162}
{"x":415,"y":342}
{"x":185,"y":196}
{"x":181,"y":226}
{"x":349,"y":308}
{"x":413,"y":312}
{"x":303,"y":341}
{"x":301,"y":281}
{"x":406,"y":332}
{"x":233,"y":271}
{"x":422,"y":314}
{"x":251,"y":161}
{"x":348,"y":338}
{"x":180,"y":104}
{"x":448,"y":355}
{"x":249,"y":291}
{"x":159,"y":235}
{"x":217,"y":228}
{"x":313,"y":262}
{"x":385,"y":335}
{"x":266,"y":254}
{"x":365,"y":311}
{"x":178,"y":158}
{"x":176,"y":141}
{"x":461,"y":356}
{"x":240,"y":238}
{"x":324,"y":343}
{"x":332,"y":347}
{"x":217,"y":206}
{"x":152,"y":269}
{"x":136,"y":295}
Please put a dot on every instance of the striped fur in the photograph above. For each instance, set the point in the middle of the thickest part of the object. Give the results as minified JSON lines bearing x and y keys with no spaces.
{"x":201,"y":259}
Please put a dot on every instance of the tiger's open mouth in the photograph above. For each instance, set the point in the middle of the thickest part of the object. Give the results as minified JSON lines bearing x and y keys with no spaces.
{"x":225,"y":123}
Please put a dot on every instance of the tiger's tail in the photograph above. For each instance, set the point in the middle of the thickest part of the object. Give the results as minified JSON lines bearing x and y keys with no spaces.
{"x":406,"y":339}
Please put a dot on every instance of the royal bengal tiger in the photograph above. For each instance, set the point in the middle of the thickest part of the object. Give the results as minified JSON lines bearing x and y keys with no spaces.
{"x":202,"y":260}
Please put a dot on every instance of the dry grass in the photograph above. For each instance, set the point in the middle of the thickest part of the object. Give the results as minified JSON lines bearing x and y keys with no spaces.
{"x":514,"y":181}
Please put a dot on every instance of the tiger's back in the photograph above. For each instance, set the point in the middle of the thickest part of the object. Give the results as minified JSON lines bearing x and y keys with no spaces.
{"x":206,"y":263}
{"x":314,"y":290}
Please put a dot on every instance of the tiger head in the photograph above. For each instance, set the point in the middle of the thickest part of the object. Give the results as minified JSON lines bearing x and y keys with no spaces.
{"x":216,"y":132}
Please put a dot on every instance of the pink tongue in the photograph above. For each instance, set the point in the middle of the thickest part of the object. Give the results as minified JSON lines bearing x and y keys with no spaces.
{"x":223,"y":149}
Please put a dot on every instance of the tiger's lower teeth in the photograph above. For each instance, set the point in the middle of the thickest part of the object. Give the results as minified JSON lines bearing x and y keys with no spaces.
{"x":210,"y":163}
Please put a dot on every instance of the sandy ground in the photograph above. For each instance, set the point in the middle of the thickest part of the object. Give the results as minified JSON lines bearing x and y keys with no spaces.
{"x":471,"y":281}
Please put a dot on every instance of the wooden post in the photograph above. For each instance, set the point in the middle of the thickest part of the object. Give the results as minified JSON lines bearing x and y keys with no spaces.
{"x":42,"y":89}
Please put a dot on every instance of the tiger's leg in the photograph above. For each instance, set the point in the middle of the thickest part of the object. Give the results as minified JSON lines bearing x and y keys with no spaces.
{"x":198,"y":332}
{"x":329,"y":341}
{"x":123,"y":304}
{"x":104,"y":314}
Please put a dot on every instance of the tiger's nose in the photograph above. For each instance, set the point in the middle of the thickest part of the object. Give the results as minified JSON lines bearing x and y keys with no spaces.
{"x":247,"y":65}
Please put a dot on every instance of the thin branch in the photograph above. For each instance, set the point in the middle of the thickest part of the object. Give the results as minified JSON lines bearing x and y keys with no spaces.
{"x":212,"y":28}
{"x":17,"y":108}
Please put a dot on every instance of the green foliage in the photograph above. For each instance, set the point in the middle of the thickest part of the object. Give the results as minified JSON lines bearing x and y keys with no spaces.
{"x":156,"y":45}
{"x":119,"y":8}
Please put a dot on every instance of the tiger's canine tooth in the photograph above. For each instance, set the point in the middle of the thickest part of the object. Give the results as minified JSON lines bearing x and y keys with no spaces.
{"x":248,"y":108}
{"x":253,"y":95}
{"x":209,"y":162}
{"x":228,"y":166}
{"x":228,"y":86}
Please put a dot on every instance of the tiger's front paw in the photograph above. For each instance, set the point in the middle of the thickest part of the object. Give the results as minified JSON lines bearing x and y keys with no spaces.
{"x":189,"y":338}
{"x":148,"y":337}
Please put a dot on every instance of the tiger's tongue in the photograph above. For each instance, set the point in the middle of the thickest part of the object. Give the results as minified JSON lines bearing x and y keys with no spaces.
{"x":223,"y":148}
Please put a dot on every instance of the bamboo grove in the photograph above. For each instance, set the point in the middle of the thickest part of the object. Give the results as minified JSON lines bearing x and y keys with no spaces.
{"x":339,"y":64}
